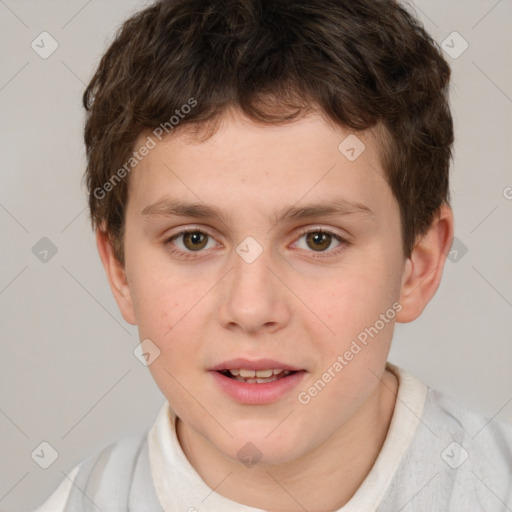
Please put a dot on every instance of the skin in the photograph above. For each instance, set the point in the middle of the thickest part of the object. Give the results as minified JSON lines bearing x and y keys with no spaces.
{"x":295,"y":303}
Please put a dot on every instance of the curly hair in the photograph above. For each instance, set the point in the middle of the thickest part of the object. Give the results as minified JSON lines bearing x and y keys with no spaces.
{"x":362,"y":63}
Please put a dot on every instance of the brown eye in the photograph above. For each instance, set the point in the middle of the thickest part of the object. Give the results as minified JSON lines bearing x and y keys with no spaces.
{"x":318,"y":241}
{"x":322,"y":242}
{"x":195,"y":240}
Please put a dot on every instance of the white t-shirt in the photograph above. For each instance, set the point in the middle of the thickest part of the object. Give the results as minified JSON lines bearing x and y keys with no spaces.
{"x":437,"y":455}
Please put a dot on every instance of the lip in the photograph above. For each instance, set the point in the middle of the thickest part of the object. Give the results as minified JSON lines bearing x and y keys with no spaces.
{"x":254,"y":393}
{"x":255,"y":364}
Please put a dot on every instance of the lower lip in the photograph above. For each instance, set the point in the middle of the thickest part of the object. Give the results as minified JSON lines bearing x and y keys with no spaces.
{"x":256,"y":394}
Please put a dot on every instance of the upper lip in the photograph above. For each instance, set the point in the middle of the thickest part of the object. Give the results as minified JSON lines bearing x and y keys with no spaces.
{"x":254,"y":364}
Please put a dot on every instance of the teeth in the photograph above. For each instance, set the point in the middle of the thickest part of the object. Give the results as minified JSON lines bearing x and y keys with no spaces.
{"x":247,"y":373}
{"x":258,"y":376}
{"x":262,"y":374}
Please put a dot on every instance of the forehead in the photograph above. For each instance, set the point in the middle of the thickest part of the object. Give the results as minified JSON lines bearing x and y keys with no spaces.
{"x":252,"y":164}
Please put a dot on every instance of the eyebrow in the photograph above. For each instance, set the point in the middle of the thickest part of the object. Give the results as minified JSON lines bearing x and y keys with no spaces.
{"x":169,"y":207}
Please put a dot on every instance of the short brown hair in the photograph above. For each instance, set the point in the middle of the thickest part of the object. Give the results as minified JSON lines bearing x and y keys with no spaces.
{"x":362,"y":63}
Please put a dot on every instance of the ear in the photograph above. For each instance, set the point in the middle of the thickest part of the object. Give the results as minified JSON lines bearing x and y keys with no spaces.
{"x":116,"y":275}
{"x":424,"y":268}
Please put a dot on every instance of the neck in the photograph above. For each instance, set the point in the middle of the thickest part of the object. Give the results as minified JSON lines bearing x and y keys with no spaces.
{"x":323,"y":479}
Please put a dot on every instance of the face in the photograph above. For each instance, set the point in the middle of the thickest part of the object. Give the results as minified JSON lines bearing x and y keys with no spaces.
{"x":264,"y":248}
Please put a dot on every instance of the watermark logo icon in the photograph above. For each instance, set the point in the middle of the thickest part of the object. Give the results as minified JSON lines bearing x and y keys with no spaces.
{"x":454,"y":45}
{"x":249,"y":454}
{"x":457,"y":251}
{"x":351,"y":147}
{"x":44,"y":455}
{"x":249,"y":249}
{"x":454,"y":455}
{"x":44,"y":250}
{"x":146,"y":352}
{"x":44,"y":45}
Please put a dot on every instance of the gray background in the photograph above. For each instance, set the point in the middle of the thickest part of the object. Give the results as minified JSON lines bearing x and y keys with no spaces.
{"x":68,"y":373}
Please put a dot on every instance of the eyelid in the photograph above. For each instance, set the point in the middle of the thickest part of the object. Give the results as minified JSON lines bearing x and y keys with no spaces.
{"x":320,"y":229}
{"x":191,"y":229}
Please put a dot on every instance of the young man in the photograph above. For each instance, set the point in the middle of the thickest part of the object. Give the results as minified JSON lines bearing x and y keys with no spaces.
{"x":269,"y":187}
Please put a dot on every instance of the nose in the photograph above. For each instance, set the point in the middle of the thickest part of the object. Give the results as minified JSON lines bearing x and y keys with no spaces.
{"x":253,"y":298}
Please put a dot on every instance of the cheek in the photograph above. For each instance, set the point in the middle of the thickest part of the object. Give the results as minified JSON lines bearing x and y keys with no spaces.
{"x":359,"y":306}
{"x":358,"y":296}
{"x":161,"y":305}
{"x":169,"y":314}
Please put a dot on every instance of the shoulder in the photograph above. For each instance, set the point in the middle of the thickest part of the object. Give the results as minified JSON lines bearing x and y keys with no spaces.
{"x":441,"y":419}
{"x":106,"y":476}
{"x":457,"y":458}
{"x":467,"y":454}
{"x":57,"y":500}
{"x":449,"y":418}
{"x":485,"y":442}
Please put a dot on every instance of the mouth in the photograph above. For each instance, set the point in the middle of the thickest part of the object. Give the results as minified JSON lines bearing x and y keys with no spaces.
{"x":254,"y":382}
{"x":256,"y":376}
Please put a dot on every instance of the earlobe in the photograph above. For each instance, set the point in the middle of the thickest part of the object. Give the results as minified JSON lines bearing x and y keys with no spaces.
{"x":424,"y":268}
{"x":116,"y":275}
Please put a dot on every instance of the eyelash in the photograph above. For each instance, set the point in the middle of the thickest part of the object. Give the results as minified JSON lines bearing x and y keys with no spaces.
{"x":320,"y":254}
